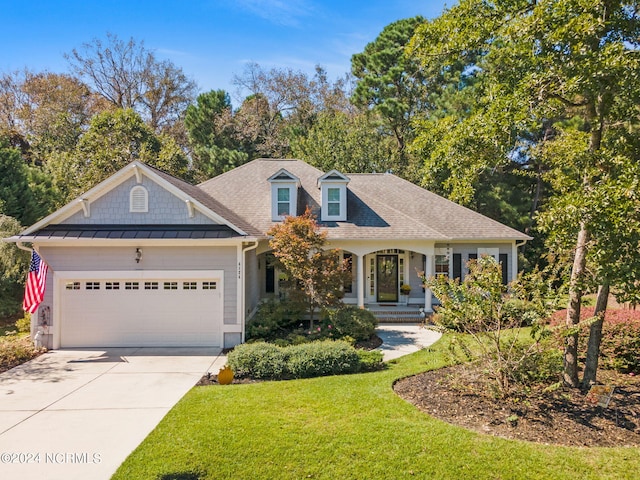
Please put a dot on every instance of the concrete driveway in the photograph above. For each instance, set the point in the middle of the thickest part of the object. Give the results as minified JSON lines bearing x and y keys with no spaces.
{"x":77,"y":414}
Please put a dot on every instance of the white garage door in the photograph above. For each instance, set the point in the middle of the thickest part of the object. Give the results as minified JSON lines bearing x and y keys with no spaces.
{"x":151,"y":310}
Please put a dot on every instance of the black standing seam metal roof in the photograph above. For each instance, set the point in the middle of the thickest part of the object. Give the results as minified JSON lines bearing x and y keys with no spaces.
{"x":136,"y":231}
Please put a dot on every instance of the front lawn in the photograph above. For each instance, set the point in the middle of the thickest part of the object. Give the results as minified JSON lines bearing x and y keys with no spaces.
{"x":345,"y":427}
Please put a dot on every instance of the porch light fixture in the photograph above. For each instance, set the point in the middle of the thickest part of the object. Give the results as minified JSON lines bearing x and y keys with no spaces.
{"x":138,"y":255}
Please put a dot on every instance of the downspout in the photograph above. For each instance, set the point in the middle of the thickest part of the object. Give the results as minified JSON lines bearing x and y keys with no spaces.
{"x":21,"y":246}
{"x":243,"y":293}
{"x":514,"y":260}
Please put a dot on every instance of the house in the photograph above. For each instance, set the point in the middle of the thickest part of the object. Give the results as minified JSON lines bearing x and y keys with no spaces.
{"x":145,"y":259}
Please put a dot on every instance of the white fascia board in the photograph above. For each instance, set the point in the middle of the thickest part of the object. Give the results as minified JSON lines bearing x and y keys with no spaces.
{"x":133,"y":242}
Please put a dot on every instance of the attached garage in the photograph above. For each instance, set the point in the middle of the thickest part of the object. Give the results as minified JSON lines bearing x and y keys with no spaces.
{"x":140,"y":308}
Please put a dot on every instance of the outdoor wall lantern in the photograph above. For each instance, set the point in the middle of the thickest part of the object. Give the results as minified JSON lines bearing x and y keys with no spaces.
{"x":138,"y":255}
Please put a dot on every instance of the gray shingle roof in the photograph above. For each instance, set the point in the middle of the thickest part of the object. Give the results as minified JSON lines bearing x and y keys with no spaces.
{"x":380,"y":206}
{"x":209,"y":202}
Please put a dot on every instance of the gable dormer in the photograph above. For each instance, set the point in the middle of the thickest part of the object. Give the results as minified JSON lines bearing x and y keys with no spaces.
{"x":333,"y":188}
{"x":284,"y":194}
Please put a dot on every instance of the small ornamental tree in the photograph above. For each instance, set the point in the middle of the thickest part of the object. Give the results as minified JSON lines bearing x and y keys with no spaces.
{"x":317,"y":274}
{"x":483,"y":308}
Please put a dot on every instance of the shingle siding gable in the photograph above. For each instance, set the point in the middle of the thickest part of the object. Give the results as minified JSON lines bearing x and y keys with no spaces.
{"x":113,"y":208}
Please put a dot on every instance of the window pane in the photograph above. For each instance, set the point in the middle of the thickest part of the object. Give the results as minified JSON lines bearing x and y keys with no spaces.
{"x":283,"y":194}
{"x":283,"y":208}
{"x":333,"y":209}
{"x":333,"y":194}
{"x":442,"y":265}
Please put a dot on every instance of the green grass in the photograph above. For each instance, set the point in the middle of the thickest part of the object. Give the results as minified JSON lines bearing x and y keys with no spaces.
{"x":345,"y":427}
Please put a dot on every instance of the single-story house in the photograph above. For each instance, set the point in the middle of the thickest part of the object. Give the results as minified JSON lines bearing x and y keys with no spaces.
{"x":146,"y":259}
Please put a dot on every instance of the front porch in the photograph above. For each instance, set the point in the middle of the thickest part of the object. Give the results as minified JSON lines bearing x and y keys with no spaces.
{"x":380,"y":279}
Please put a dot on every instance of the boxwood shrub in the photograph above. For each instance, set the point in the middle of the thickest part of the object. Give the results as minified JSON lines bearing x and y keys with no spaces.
{"x":258,"y":360}
{"x":268,"y":361}
{"x":370,"y":360}
{"x":348,"y":321}
{"x":316,"y":359}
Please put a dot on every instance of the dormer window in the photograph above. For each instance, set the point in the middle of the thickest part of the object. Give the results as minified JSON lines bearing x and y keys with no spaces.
{"x":284,"y":201}
{"x":333,"y":186}
{"x":284,"y":194}
{"x":138,"y":200}
{"x":333,"y":202}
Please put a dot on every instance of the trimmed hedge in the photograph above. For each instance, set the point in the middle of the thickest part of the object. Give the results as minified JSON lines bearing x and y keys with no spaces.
{"x":317,"y":359}
{"x":258,"y":360}
{"x":268,"y":361}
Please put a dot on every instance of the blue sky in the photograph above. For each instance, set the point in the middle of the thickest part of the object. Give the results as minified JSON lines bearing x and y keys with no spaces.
{"x":211,"y":40}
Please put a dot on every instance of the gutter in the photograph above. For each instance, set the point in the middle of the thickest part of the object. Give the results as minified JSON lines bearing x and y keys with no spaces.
{"x":21,"y":246}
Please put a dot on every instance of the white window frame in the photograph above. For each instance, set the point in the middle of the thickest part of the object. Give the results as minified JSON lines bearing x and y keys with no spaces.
{"x":286,"y":202}
{"x":446,"y":253}
{"x":342,"y":202}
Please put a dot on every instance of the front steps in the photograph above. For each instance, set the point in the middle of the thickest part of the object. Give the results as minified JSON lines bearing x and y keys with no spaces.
{"x":398,"y":314}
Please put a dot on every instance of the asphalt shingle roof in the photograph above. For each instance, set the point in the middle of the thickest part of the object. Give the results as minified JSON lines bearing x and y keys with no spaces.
{"x":380,"y":206}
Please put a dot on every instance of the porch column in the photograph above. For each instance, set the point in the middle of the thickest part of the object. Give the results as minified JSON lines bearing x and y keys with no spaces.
{"x":360,"y":279}
{"x":429,"y":272}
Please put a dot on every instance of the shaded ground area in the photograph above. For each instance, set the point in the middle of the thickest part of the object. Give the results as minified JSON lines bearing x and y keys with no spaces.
{"x":458,"y":395}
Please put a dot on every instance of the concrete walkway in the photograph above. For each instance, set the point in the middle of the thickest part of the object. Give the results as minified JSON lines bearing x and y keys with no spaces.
{"x":403,"y":339}
{"x":77,"y":414}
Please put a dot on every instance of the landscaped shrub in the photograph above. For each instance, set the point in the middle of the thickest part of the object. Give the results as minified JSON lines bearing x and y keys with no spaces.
{"x":520,"y":312}
{"x":262,"y":360}
{"x":258,"y":360}
{"x":350,"y":321}
{"x":370,"y":360}
{"x":274,"y":319}
{"x":317,"y":359}
{"x":542,"y":365}
{"x":620,"y":337}
{"x":15,"y":350}
{"x":24,"y":324}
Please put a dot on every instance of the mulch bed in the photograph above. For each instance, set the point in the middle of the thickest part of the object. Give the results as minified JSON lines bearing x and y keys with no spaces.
{"x":459,"y":395}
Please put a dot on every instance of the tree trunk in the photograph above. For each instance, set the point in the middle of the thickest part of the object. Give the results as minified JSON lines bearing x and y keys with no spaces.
{"x":570,"y":374}
{"x":595,"y":336}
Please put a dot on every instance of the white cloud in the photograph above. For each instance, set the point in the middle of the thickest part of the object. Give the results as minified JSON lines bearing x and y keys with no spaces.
{"x":281,"y":12}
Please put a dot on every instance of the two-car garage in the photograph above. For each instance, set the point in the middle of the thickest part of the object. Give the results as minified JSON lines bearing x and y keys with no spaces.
{"x":139,"y":308}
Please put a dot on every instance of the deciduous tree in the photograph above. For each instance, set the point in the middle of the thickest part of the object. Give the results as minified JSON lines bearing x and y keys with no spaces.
{"x":298,"y":245}
{"x":547,"y":65}
{"x":128,"y":75}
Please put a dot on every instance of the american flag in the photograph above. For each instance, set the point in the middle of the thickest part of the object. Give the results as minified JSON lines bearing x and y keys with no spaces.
{"x":36,"y":282}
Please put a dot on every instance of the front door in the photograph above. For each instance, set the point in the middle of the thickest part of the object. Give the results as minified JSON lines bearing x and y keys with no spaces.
{"x":387,"y":273}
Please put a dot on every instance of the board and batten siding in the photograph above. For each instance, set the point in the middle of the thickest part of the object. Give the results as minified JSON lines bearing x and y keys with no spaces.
{"x":100,"y":259}
{"x":164,"y":208}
